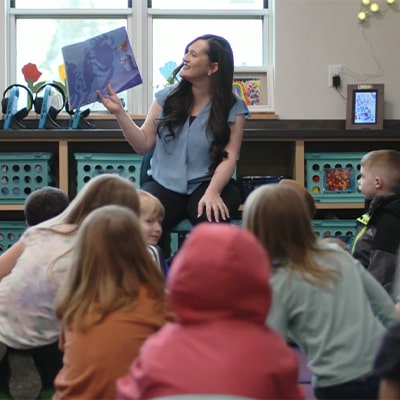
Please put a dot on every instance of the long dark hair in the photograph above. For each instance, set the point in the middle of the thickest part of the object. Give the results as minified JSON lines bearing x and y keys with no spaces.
{"x":177,"y":105}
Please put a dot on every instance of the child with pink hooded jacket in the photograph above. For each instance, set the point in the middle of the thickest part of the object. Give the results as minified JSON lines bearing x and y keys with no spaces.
{"x":218,"y":343}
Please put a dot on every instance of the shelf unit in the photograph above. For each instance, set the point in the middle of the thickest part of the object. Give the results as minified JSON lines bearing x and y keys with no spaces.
{"x":265,"y":151}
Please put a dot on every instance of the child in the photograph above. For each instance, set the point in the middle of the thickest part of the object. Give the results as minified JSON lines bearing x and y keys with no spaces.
{"x":151,"y":216}
{"x":311,"y":207}
{"x":43,"y":204}
{"x":387,"y":364}
{"x":111,"y":301}
{"x":323,"y":299}
{"x":310,"y":202}
{"x":27,"y":315}
{"x":218,"y":289}
{"x":378,"y":235}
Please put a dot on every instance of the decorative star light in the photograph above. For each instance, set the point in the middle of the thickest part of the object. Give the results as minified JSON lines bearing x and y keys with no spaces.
{"x":371,"y":7}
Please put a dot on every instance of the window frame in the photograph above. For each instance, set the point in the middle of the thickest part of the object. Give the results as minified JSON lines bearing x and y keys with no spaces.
{"x":139,"y":25}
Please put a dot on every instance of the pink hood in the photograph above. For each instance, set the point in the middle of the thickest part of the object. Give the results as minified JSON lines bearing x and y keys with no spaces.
{"x":221,"y":272}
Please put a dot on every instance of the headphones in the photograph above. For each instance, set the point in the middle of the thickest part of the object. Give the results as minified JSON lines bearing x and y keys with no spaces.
{"x":42,"y":105}
{"x":78,"y":118}
{"x":9,"y":105}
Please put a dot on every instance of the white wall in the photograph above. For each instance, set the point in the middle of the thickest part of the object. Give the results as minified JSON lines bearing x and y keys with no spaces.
{"x":311,"y":34}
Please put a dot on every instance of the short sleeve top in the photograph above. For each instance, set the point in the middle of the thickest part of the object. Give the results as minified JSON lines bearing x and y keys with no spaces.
{"x":181,"y":163}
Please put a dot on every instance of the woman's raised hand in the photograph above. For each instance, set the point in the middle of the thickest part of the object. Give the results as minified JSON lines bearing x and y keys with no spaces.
{"x":112,"y":103}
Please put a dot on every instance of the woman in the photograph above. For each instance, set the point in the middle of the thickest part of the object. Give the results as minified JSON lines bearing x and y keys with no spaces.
{"x":323,"y":299}
{"x":195,"y":129}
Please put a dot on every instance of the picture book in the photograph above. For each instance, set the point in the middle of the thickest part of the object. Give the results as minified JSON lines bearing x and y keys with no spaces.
{"x":92,"y":64}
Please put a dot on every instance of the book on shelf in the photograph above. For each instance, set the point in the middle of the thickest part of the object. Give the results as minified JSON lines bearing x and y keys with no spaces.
{"x":92,"y":64}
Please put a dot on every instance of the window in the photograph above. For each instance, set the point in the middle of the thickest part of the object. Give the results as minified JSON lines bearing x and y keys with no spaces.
{"x":69,"y":4}
{"x":159,"y":30}
{"x":246,"y":24}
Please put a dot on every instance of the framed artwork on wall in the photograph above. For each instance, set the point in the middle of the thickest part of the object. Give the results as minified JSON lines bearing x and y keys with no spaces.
{"x":365,"y":106}
{"x":255,"y":87}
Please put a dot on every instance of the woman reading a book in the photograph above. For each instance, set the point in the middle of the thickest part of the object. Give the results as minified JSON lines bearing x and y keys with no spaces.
{"x":194,"y":129}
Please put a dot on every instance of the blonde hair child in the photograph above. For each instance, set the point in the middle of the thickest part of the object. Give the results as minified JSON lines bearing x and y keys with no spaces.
{"x":377,"y":238}
{"x":151,"y":217}
{"x":111,"y":302}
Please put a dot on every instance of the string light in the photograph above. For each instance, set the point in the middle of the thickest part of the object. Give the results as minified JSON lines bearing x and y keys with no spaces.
{"x":374,"y":7}
{"x":367,"y":8}
{"x":362,"y":15}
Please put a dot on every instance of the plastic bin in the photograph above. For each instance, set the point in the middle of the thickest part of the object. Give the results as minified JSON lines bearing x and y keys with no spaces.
{"x":21,"y":174}
{"x":249,"y":183}
{"x":343,"y":229}
{"x":10,"y":232}
{"x":92,"y":164}
{"x":332,"y":177}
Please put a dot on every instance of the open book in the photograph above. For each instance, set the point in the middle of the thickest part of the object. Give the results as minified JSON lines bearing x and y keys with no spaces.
{"x":92,"y":64}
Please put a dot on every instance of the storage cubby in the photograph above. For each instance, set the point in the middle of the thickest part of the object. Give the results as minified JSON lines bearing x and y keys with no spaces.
{"x":269,"y":148}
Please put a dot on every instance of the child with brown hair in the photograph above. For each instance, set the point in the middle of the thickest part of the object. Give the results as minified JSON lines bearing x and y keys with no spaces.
{"x":37,"y":266}
{"x":112,"y":300}
{"x":43,"y":204}
{"x":378,"y":235}
{"x":151,"y":217}
{"x":323,"y":299}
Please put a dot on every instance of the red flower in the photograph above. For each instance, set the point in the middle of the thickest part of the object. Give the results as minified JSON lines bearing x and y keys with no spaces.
{"x":31,"y":73}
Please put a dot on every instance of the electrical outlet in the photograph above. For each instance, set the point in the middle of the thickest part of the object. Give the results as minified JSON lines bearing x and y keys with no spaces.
{"x":334,"y":70}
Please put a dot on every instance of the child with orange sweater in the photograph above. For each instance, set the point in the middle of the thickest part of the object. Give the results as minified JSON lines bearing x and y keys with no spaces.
{"x":112,"y":300}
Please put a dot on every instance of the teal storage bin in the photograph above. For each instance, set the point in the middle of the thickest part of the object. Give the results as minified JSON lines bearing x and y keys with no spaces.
{"x":21,"y":174}
{"x":89,"y":165}
{"x":344,"y":229}
{"x":332,"y":177}
{"x":10,"y":232}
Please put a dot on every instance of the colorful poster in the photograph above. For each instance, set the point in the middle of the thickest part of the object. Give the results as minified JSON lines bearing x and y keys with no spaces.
{"x":249,"y":89}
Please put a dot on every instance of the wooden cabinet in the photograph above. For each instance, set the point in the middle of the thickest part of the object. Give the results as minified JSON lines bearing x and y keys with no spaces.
{"x":265,"y":151}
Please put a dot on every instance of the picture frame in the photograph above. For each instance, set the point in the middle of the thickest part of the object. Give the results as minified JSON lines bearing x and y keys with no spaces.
{"x":255,"y":87}
{"x":365,"y":103}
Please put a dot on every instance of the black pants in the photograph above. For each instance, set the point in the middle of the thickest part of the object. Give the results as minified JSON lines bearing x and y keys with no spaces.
{"x":361,"y":389}
{"x":180,"y":206}
{"x":48,"y":360}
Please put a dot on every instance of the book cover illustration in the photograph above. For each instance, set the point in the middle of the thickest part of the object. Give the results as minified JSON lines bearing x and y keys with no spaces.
{"x":92,"y":64}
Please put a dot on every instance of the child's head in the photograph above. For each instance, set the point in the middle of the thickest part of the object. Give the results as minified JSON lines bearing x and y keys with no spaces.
{"x":380,"y":173}
{"x":101,"y":190}
{"x":280,"y":218}
{"x":221,"y":271}
{"x":278,"y":215}
{"x":151,"y":216}
{"x":304,"y":192}
{"x":110,"y":263}
{"x":43,"y":204}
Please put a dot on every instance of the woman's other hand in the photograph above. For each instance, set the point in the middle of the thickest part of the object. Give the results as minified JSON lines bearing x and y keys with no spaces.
{"x":214,"y":206}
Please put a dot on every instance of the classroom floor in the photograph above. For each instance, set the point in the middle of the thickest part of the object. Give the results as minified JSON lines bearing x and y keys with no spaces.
{"x":44,"y":395}
{"x":304,"y":379}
